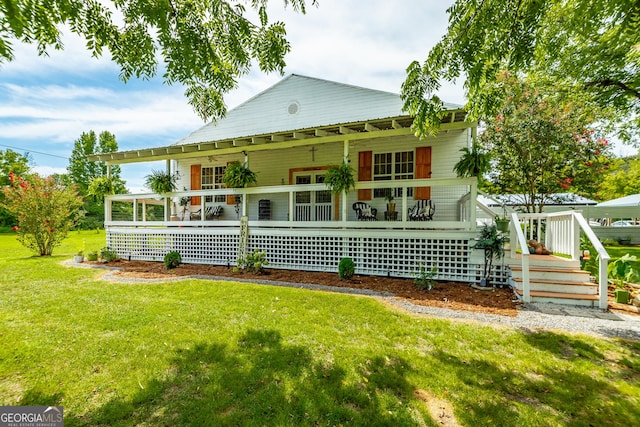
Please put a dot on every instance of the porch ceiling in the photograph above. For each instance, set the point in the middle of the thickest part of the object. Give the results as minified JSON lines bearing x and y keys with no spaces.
{"x":394,"y":126}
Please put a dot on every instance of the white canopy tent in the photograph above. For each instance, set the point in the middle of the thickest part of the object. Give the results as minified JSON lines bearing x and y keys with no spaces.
{"x":626,"y":201}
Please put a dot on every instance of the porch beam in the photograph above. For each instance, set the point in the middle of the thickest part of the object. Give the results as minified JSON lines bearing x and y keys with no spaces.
{"x":223,"y":144}
{"x":278,"y":138}
{"x":321,"y":132}
{"x":300,"y":135}
{"x":347,"y":131}
{"x":371,"y":128}
{"x":258,"y":140}
{"x":241,"y":142}
{"x":396,"y":124}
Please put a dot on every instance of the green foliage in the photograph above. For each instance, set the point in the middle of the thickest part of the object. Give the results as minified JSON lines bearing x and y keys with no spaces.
{"x":108,"y":255}
{"x":425,"y":278}
{"x":92,"y":256}
{"x":492,"y":242}
{"x":621,"y":270}
{"x":474,"y":162}
{"x":172,"y":260}
{"x":588,"y":49}
{"x":161,"y":182}
{"x":45,"y":211}
{"x":102,"y":186}
{"x":623,"y":181}
{"x":238,"y":175}
{"x":540,"y":146}
{"x":81,"y":171}
{"x":346,"y":269}
{"x":340,"y":179}
{"x":205,"y":45}
{"x":11,"y":161}
{"x":254,"y":262}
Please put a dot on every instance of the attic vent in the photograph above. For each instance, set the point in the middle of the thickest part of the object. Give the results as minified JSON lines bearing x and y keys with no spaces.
{"x":294,"y":108}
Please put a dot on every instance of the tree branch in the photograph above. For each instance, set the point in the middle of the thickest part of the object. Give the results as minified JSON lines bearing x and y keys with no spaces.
{"x":604,"y":83}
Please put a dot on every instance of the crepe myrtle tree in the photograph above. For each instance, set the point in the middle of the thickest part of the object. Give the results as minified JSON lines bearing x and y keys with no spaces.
{"x":205,"y":45}
{"x":541,"y":145}
{"x":45,"y":211}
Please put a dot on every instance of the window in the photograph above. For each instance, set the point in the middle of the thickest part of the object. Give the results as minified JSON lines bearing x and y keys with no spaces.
{"x":391,"y":166}
{"x":212,"y":179}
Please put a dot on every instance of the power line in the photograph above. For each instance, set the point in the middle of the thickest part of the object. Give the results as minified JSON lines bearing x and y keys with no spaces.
{"x":33,"y":151}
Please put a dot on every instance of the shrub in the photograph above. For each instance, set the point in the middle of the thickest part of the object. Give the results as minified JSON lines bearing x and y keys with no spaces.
{"x":107,"y":255}
{"x":424,"y":278}
{"x":254,"y":262}
{"x":172,"y":260}
{"x":45,"y":210}
{"x":346,"y":269}
{"x":92,"y":256}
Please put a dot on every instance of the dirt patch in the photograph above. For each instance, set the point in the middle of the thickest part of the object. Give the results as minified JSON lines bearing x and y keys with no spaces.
{"x":440,"y":410}
{"x":452,"y":295}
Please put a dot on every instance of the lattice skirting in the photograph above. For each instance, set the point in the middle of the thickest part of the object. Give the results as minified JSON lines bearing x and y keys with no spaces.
{"x":395,"y":253}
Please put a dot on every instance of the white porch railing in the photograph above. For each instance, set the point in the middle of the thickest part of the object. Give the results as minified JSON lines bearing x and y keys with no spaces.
{"x":560,"y":233}
{"x":445,"y":192}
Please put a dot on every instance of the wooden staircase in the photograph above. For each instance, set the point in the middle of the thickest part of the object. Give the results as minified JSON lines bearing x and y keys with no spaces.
{"x":554,"y":279}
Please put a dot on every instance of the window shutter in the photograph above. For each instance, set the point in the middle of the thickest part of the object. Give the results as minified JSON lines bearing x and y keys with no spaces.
{"x":196,"y":182}
{"x":231,"y":198}
{"x":423,"y":170}
{"x":365,"y":160}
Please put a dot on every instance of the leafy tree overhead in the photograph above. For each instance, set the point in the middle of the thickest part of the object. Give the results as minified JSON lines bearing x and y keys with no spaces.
{"x":540,"y":147}
{"x":205,"y":44}
{"x":589,"y":46}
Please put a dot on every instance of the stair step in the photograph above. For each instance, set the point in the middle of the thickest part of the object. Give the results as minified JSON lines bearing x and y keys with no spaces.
{"x":548,"y":261}
{"x":561,"y":286}
{"x":550,"y":270}
{"x":561,"y":297}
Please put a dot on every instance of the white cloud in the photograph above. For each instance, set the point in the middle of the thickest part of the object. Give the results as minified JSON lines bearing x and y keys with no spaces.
{"x":48,"y":170}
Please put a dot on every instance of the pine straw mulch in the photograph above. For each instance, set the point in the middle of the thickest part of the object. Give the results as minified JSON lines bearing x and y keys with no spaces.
{"x":451,"y":295}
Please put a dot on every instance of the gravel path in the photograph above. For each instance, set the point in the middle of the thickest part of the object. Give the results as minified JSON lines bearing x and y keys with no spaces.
{"x":531,"y":317}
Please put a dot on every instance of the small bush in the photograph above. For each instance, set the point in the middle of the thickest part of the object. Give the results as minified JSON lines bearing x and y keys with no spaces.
{"x":107,"y":255}
{"x":172,"y":260}
{"x":424,"y":279}
{"x":346,"y":269}
{"x":254,"y":262}
{"x":92,"y":256}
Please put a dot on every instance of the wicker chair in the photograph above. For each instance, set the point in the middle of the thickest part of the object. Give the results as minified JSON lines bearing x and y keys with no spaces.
{"x":422,"y":211}
{"x":364,"y":212}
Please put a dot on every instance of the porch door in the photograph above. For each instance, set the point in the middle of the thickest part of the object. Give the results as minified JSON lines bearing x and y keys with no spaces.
{"x":312,"y":205}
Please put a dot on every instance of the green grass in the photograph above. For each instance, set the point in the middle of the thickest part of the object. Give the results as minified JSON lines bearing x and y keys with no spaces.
{"x":221,"y":353}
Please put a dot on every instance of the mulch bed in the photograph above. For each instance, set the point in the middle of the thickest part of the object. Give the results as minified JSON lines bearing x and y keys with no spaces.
{"x":452,"y":295}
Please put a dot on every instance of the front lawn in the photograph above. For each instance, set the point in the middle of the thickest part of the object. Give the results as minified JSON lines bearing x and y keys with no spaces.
{"x":221,"y":353}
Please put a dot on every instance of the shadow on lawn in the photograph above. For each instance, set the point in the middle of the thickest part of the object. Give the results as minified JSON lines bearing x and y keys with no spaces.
{"x":554,"y":392}
{"x":264,"y":382}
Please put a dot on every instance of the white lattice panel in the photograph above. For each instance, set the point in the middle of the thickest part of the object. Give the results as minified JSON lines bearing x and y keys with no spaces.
{"x":394,"y":253}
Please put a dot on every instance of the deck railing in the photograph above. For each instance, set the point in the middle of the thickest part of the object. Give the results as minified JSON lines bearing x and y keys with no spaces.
{"x":153,"y":209}
{"x":560,"y":232}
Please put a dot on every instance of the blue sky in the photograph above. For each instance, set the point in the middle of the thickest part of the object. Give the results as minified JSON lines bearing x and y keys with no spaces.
{"x":47,"y":102}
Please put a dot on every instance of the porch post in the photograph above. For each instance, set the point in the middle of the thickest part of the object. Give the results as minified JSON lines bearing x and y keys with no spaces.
{"x":472,"y":204}
{"x":108,"y":170}
{"x":575,"y":253}
{"x":343,"y":197}
{"x":168,"y":208}
{"x":135,"y":210}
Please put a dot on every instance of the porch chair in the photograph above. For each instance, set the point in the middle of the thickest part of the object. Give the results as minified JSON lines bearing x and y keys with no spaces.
{"x":364,"y":212}
{"x":422,"y":211}
{"x":211,"y":212}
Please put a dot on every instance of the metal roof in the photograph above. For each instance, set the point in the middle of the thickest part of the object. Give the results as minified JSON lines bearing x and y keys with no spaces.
{"x":298,"y":110}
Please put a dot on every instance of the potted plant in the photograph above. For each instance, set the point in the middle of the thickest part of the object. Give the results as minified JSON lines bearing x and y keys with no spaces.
{"x":492,"y":243}
{"x":388,"y":196}
{"x":161,"y":182}
{"x":339,"y":179}
{"x":92,"y":256}
{"x":184,"y":202}
{"x":473,"y":162}
{"x":237,"y":175}
{"x":78,"y":257}
{"x":502,"y":222}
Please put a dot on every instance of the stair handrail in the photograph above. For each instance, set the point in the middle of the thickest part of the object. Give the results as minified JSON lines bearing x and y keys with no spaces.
{"x":603,"y":256}
{"x":516,"y":230}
